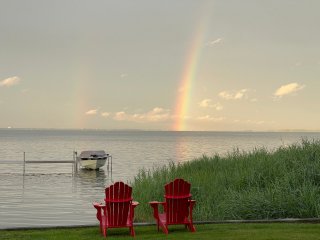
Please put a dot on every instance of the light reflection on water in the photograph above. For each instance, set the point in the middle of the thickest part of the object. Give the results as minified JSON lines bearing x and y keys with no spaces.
{"x":50,"y":195}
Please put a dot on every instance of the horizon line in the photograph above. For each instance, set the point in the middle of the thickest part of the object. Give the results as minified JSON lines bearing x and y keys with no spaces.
{"x":160,"y":130}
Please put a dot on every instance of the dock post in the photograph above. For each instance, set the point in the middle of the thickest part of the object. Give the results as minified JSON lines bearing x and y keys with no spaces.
{"x":73,"y":165}
{"x":24,"y":163}
{"x":75,"y":161}
{"x":111,"y":168}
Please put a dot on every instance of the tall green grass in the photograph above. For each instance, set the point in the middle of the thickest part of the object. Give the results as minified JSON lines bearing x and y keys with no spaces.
{"x":260,"y":184}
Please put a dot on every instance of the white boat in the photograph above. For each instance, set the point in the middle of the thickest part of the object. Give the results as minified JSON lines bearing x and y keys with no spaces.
{"x":92,"y":159}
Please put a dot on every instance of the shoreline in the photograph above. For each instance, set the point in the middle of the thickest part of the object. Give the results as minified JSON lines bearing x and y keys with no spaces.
{"x":262,"y":221}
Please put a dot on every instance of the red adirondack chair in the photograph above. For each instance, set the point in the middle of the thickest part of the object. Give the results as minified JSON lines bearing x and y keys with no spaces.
{"x":177,"y":208}
{"x":118,"y":210}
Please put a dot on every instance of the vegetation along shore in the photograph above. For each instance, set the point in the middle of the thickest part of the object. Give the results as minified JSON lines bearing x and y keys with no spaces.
{"x":260,"y":184}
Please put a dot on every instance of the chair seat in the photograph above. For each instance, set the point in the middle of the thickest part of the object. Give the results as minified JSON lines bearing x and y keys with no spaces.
{"x":163,"y":219}
{"x":128,"y":223}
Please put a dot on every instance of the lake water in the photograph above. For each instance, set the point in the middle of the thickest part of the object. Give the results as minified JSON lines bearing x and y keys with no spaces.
{"x":52,"y":195}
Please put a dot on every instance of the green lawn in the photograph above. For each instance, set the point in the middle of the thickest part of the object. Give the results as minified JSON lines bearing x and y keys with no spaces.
{"x":276,"y":231}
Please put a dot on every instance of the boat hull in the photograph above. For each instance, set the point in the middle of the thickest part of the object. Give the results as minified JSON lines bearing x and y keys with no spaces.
{"x":92,"y":163}
{"x":92,"y":159}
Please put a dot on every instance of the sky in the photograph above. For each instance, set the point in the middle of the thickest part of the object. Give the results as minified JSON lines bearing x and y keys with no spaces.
{"x":183,"y":65}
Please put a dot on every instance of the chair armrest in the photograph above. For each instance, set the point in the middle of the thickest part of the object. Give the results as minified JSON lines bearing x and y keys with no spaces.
{"x":134,"y":203}
{"x":132,"y":207}
{"x":154,"y":205}
{"x":100,"y":207}
{"x":191,"y":203}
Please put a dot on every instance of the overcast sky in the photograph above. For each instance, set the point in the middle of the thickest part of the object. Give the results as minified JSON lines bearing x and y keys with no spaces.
{"x":251,"y":65}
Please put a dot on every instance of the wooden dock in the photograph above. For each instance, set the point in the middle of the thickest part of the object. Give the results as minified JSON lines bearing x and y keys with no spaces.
{"x":74,"y":162}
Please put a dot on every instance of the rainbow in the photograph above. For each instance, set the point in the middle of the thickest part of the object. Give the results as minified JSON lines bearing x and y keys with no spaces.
{"x":187,"y":79}
{"x":80,"y":75}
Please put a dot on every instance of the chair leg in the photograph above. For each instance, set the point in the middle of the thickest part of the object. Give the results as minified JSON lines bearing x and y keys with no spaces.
{"x":132,"y":233}
{"x":104,"y":232}
{"x":101,"y":228}
{"x":191,"y":227}
{"x":165,"y":229}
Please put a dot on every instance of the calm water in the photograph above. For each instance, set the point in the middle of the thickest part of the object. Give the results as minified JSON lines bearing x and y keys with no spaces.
{"x":51,"y":195}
